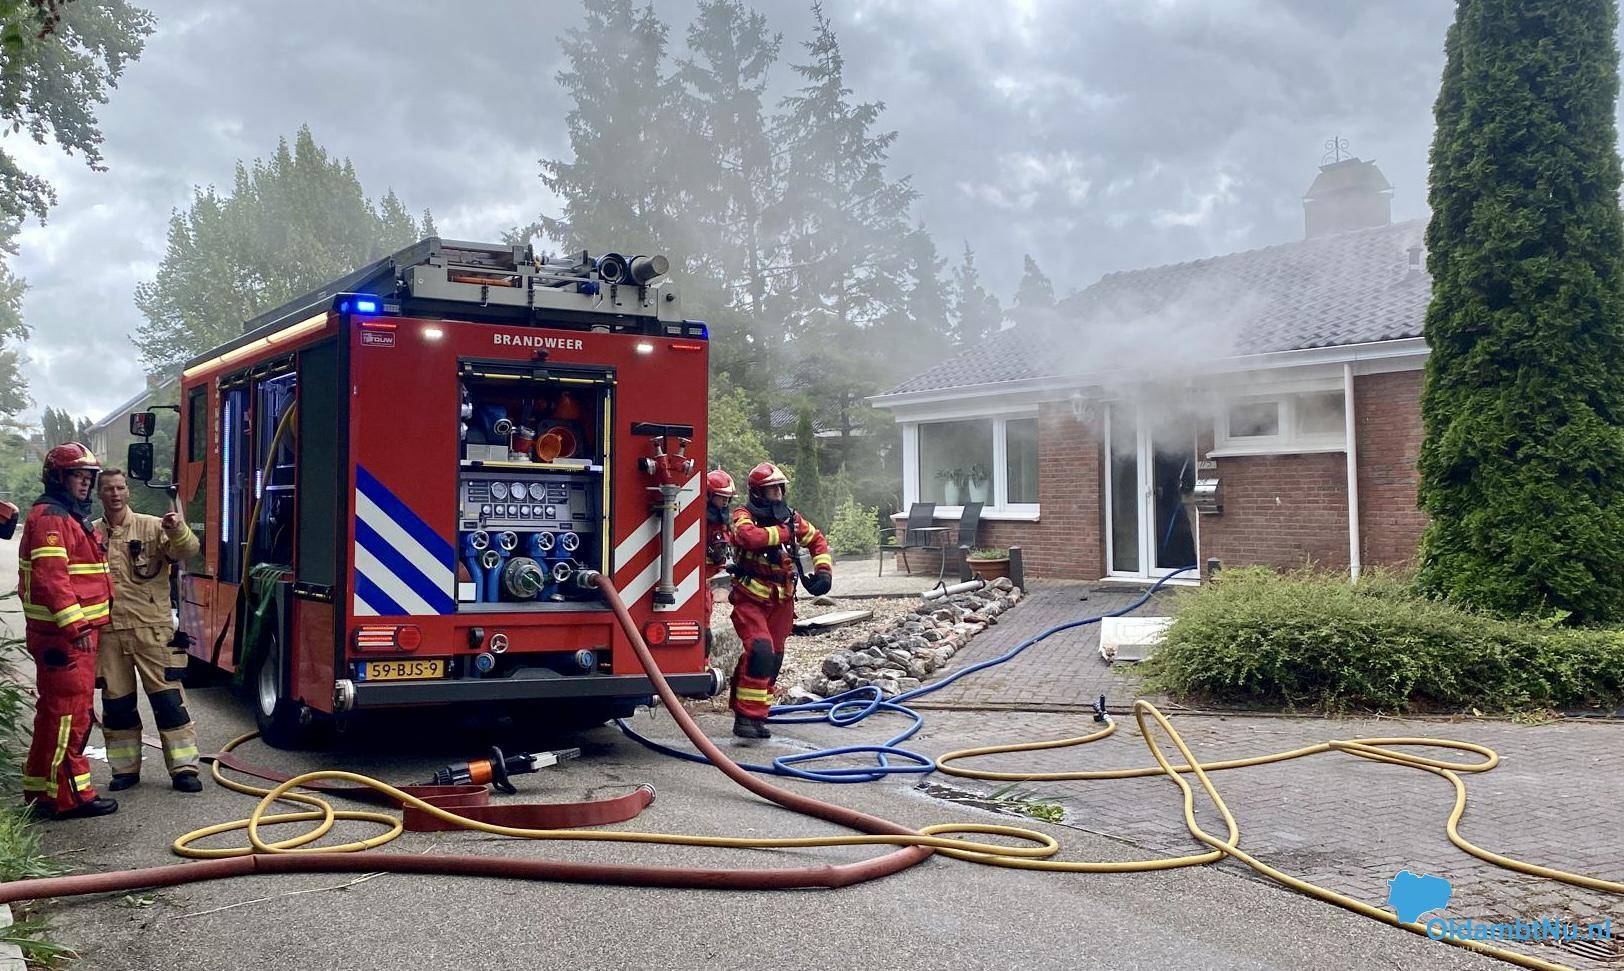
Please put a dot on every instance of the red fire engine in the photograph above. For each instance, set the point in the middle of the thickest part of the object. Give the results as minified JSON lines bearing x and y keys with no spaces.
{"x":408,"y":477}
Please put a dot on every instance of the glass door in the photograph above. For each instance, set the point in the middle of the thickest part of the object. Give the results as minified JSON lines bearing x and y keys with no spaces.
{"x":1123,"y":491}
{"x":1171,"y":460}
{"x":1150,"y":471}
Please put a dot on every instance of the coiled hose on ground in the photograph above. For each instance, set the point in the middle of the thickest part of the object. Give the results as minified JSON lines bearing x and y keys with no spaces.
{"x":292,"y":856}
{"x":851,"y":707}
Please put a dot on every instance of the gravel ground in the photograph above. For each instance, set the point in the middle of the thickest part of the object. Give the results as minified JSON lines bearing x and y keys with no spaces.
{"x":804,"y":653}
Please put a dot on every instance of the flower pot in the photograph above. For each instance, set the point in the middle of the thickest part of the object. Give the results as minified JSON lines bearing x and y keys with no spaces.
{"x":989,"y":570}
{"x":950,"y":493}
{"x":978,"y":491}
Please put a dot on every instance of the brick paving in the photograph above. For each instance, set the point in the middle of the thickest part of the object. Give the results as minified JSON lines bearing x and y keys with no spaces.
{"x":1557,"y":797}
{"x":1062,"y":671}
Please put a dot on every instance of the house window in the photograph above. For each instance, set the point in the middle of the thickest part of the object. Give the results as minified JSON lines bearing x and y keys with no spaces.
{"x":955,"y":461}
{"x":1255,"y":419}
{"x":993,"y":461}
{"x":1312,"y":421}
{"x":1322,"y":413}
{"x":1021,"y":460}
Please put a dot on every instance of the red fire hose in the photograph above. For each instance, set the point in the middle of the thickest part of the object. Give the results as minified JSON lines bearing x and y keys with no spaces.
{"x":777,"y":878}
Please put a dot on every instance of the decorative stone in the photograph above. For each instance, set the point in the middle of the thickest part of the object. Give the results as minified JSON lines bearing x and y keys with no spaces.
{"x":836,"y":665}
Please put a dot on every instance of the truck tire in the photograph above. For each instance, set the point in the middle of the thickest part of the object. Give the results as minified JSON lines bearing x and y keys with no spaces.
{"x":283,"y":722}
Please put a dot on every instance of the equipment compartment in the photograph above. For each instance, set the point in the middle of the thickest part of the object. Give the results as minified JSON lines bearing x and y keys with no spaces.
{"x":532,"y":488}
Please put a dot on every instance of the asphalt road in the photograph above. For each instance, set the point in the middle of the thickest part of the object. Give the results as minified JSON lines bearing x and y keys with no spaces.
{"x":941,"y":914}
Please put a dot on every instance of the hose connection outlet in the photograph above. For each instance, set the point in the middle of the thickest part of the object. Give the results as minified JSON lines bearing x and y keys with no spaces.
{"x":343,"y":695}
{"x":499,"y":643}
{"x":485,"y":663}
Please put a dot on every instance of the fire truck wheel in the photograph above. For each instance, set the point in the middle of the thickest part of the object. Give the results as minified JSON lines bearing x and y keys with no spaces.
{"x":283,"y":722}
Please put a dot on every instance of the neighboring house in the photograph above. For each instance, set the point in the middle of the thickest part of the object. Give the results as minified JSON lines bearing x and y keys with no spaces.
{"x":110,"y":437}
{"x":1267,"y":374}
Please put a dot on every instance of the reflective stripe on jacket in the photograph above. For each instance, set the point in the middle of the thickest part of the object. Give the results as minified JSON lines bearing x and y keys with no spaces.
{"x":62,"y":576}
{"x":765,"y":570}
{"x":143,"y":600}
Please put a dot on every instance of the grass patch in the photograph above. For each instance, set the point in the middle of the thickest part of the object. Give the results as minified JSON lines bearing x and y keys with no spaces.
{"x":1028,"y":802}
{"x":1315,"y":641}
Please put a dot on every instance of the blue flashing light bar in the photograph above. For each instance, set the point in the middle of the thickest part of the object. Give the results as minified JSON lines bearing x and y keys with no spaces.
{"x":366,"y":306}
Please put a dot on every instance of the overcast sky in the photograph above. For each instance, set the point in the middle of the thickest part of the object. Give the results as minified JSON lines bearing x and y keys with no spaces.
{"x":1097,"y":135}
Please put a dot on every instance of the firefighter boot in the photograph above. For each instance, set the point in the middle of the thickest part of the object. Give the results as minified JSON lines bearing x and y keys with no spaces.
{"x":99,"y":806}
{"x":747,"y":727}
{"x":123,"y":780}
{"x":186,"y":781}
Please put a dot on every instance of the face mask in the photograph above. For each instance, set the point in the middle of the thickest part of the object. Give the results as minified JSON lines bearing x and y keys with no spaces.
{"x":765,"y":511}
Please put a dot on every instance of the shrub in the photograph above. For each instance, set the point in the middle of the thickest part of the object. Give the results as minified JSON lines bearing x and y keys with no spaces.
{"x":856,"y":529}
{"x":989,"y":553}
{"x":1315,"y":640}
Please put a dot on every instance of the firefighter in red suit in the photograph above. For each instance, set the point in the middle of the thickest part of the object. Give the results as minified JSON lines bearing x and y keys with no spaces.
{"x":766,"y":533}
{"x":66,"y":593}
{"x":719,"y":493}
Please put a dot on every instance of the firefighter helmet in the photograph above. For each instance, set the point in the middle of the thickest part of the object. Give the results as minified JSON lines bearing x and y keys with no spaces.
{"x":767,"y":474}
{"x":719,"y":483}
{"x":70,"y":457}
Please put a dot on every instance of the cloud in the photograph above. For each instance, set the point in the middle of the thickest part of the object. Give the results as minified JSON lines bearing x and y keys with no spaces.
{"x":1098,"y":136}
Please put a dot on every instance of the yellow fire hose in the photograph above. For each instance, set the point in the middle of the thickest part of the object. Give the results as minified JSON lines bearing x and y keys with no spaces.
{"x":1034,"y":857}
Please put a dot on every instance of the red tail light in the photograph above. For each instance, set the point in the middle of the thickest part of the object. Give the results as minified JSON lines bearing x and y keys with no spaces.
{"x":682,"y":632}
{"x":387,"y":639}
{"x":655,"y":633}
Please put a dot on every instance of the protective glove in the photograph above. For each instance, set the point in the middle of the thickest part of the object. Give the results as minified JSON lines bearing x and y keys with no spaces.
{"x":820,"y":583}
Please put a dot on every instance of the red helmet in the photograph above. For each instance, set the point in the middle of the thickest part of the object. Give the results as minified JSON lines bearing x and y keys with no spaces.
{"x":68,"y":458}
{"x":767,"y":474}
{"x":719,"y":483}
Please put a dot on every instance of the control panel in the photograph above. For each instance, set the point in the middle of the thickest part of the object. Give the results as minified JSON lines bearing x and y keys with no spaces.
{"x":529,"y":501}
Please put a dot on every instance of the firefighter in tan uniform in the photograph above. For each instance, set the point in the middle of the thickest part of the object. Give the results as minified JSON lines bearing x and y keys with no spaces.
{"x":140,"y":552}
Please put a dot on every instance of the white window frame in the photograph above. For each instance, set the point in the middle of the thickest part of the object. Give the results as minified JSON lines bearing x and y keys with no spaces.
{"x":1289,"y":441}
{"x":997,"y":508}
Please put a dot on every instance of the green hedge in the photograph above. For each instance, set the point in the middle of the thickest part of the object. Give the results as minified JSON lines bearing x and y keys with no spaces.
{"x":1316,"y":641}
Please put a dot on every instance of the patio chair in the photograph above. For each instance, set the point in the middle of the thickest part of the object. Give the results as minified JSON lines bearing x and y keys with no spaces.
{"x":917,"y":534}
{"x":969,"y":523}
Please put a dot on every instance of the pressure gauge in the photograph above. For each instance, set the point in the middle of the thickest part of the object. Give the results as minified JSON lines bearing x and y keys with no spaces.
{"x":538,"y":491}
{"x":499,"y":490}
{"x":516,"y":490}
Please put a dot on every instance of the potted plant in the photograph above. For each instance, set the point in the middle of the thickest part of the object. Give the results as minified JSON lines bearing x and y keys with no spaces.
{"x":953,"y":485}
{"x":989,"y":563}
{"x":978,"y":478}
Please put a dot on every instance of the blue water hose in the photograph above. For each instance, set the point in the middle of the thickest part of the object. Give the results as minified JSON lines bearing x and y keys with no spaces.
{"x":850,"y":707}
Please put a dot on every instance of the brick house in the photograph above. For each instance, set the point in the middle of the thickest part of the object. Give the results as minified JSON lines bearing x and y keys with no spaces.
{"x":1285,"y":379}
